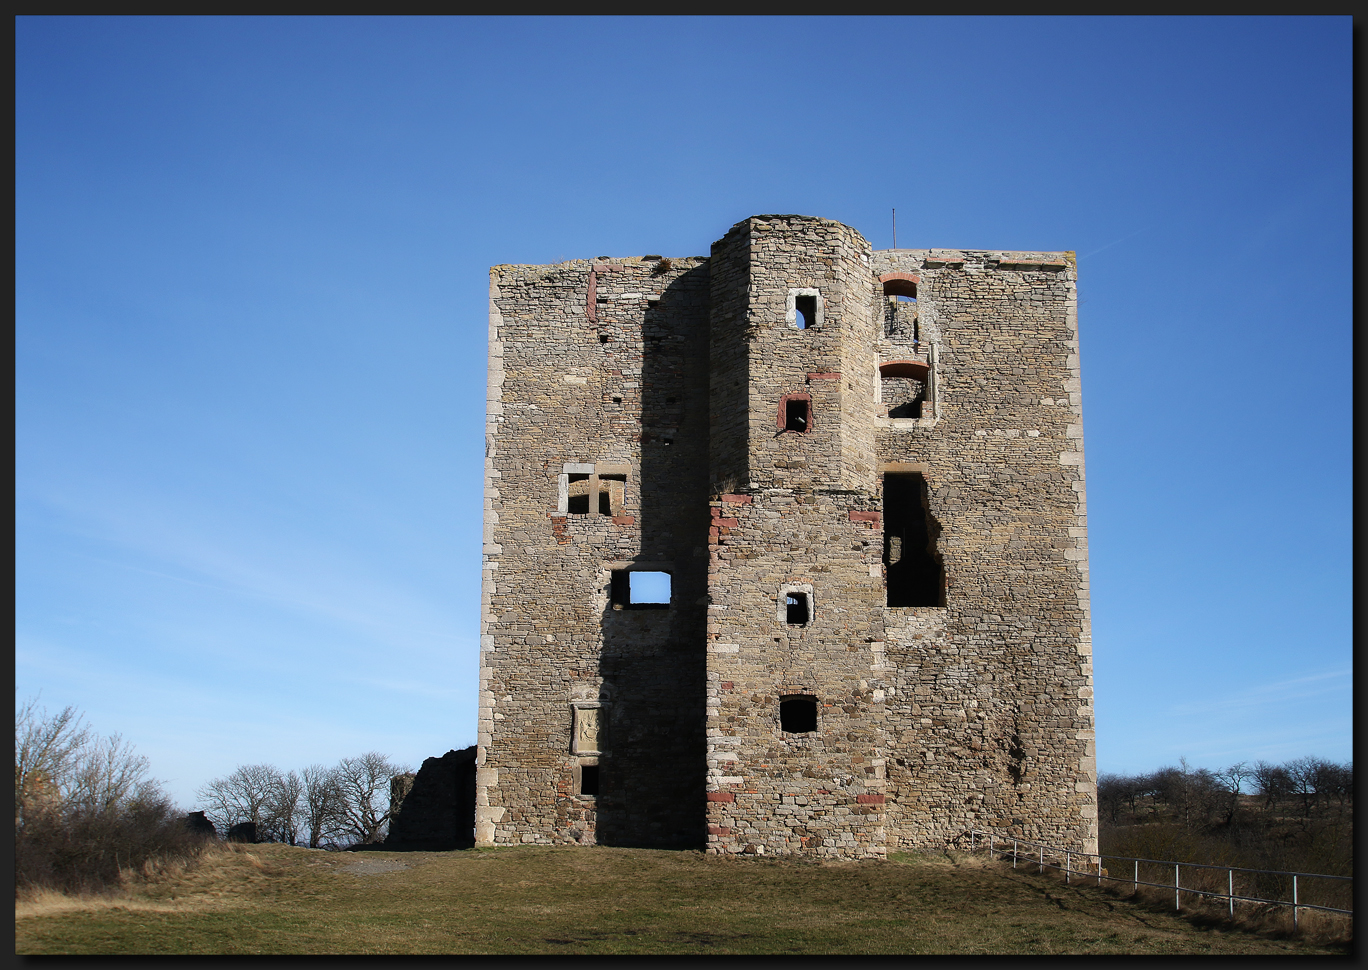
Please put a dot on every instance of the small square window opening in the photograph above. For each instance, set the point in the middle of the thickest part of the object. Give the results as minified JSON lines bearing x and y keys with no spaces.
{"x":796,"y":608}
{"x":589,"y":780}
{"x":806,"y":309}
{"x":796,"y":415}
{"x":640,"y":590}
{"x":798,"y":714}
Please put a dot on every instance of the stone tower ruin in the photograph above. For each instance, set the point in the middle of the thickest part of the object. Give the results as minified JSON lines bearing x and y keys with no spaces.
{"x":786,"y":549}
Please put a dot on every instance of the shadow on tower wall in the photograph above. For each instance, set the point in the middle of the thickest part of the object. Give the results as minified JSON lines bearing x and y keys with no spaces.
{"x":653,"y":664}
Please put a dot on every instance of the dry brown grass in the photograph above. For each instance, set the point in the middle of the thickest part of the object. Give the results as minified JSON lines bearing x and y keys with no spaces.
{"x":279,"y":899}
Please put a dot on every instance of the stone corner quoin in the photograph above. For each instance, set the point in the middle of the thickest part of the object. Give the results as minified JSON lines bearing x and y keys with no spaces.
{"x":854,"y":480}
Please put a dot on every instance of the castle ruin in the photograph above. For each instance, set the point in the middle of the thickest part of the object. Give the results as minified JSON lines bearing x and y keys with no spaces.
{"x":785,"y":550}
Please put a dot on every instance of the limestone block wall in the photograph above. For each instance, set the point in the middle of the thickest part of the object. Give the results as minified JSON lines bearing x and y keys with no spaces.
{"x":990,"y":700}
{"x":769,"y":790}
{"x":765,"y":265}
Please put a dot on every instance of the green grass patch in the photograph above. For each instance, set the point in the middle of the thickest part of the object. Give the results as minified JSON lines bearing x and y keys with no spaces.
{"x":279,"y":899}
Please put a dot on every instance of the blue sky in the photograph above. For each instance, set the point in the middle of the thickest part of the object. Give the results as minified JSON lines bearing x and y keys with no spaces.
{"x":251,"y":300}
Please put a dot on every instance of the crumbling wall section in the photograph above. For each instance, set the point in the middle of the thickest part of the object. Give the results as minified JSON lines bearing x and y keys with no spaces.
{"x":990,"y":706}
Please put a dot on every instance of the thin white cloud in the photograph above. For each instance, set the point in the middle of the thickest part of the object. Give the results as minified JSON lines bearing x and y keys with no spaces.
{"x":1270,"y":694}
{"x":325,"y":582}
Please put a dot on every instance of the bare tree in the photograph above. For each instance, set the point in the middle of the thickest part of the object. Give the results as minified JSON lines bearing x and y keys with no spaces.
{"x":1303,"y":773}
{"x":364,"y":783}
{"x":1111,"y":792}
{"x":249,"y":794}
{"x":46,"y":749}
{"x":283,"y":810}
{"x":109,"y":774}
{"x":1272,"y":782}
{"x":1232,"y":781}
{"x":323,"y":809}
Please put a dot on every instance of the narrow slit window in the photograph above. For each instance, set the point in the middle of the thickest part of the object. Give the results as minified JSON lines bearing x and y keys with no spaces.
{"x":796,"y":608}
{"x":913,"y":567}
{"x":805,"y":309}
{"x":577,"y":502}
{"x":640,"y":590}
{"x":798,"y":715}
{"x":589,"y":780}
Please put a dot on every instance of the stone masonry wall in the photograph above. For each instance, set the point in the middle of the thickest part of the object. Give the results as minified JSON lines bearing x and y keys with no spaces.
{"x":601,"y":370}
{"x":990,"y":698}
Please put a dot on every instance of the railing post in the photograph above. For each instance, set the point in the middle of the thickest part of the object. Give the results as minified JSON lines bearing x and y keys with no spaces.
{"x":1014,"y":853}
{"x":971,"y":841}
{"x":1135,"y":887}
{"x":1294,"y":901}
{"x":1230,"y":890}
{"x":1176,"y":903}
{"x":1042,"y":860}
{"x":1067,"y":864}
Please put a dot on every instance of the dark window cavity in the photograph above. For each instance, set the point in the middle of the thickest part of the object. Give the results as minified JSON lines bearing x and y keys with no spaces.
{"x":795,"y":413}
{"x":589,"y":779}
{"x":805,"y":308}
{"x":798,"y":714}
{"x":612,"y":494}
{"x":640,"y":590}
{"x":578,"y":501}
{"x":912,"y":565}
{"x":797,"y":609}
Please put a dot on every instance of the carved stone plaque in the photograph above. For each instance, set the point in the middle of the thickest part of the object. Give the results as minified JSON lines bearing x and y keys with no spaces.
{"x":585,"y":738}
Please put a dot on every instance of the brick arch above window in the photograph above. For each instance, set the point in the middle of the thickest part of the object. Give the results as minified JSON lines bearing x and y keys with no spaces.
{"x":900,"y":284}
{"x":913,"y":369}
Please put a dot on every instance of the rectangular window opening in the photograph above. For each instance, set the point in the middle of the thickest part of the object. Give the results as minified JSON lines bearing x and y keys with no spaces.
{"x":798,"y":714}
{"x":805,"y":308}
{"x":901,"y":319}
{"x":796,"y":414}
{"x":796,"y":608}
{"x":640,"y":590}
{"x":914,"y":570}
{"x":589,"y":780}
{"x":612,"y":494}
{"x":578,"y":501}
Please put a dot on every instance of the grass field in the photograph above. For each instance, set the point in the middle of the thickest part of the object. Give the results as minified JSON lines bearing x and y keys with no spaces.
{"x":254,"y":899}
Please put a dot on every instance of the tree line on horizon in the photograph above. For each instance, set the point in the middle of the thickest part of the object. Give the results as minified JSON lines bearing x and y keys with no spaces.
{"x":1201,"y":797}
{"x":322,"y":807}
{"x":1297,"y":816}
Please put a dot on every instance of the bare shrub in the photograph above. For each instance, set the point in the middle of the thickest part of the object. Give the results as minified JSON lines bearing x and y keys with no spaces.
{"x":86,"y":812}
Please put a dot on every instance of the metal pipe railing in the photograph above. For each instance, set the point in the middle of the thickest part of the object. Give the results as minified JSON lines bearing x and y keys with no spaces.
{"x":1229,"y":895}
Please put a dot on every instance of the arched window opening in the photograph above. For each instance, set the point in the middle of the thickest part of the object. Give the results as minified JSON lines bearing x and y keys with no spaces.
{"x":903,"y":386}
{"x":798,"y":714}
{"x":913,"y":568}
